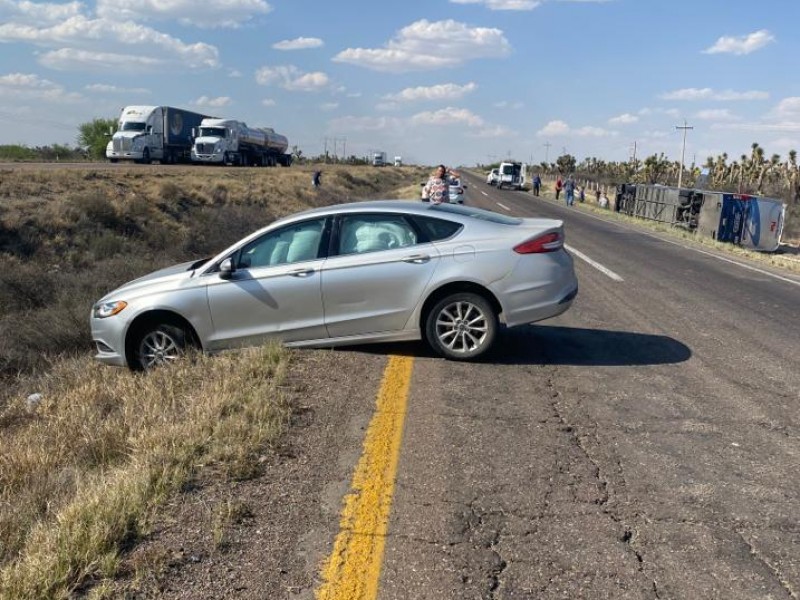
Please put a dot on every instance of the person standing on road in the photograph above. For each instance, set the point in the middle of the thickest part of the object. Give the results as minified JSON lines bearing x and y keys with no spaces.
{"x":537,"y":183}
{"x":437,"y":189}
{"x":569,"y":191}
{"x":559,"y":185}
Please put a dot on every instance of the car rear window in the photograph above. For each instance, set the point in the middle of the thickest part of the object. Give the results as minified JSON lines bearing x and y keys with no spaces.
{"x":437,"y":229}
{"x":477,"y":213}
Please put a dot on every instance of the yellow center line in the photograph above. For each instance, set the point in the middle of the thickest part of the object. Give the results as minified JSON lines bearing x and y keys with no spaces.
{"x":354,"y":567}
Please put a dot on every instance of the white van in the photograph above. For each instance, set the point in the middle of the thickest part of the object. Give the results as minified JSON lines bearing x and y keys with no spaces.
{"x":512,"y":174}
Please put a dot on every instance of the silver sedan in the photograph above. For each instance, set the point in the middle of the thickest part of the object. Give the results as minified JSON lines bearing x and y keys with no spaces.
{"x":381,"y":271}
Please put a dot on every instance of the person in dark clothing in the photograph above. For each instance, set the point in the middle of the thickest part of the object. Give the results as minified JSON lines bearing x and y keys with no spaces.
{"x":537,"y":183}
{"x":316,"y":179}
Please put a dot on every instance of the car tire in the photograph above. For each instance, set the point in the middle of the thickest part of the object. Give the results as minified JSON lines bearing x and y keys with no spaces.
{"x":146,"y":156}
{"x":158,"y":344}
{"x":461,"y":326}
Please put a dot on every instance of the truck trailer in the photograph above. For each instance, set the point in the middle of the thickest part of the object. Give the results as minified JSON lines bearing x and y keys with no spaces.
{"x":148,"y":133}
{"x":378,"y":159}
{"x":231,"y":142}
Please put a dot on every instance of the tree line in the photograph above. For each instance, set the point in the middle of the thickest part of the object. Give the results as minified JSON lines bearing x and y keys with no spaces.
{"x":754,"y":174}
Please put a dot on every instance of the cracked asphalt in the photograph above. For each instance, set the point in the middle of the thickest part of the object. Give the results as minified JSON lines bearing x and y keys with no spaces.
{"x":643,"y":445}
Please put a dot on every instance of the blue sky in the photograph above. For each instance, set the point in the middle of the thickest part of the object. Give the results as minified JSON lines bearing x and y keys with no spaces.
{"x":453,"y":81}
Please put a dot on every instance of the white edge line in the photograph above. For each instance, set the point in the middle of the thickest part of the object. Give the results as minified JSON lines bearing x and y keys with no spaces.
{"x":729,"y":260}
{"x":606,"y":271}
{"x":504,"y":207}
{"x":692,"y":248}
{"x":484,"y":193}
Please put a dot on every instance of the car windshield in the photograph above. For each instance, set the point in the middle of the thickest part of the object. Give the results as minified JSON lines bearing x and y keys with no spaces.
{"x":477,"y":213}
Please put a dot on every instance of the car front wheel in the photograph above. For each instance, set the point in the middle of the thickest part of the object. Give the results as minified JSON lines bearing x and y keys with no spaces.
{"x":461,"y":326}
{"x":158,"y":345}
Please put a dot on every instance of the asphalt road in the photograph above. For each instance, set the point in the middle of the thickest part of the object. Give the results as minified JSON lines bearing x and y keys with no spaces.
{"x":642,"y":445}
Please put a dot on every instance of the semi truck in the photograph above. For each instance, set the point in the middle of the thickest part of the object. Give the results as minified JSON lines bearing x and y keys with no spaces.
{"x":148,"y":133}
{"x":378,"y":159}
{"x":231,"y":142}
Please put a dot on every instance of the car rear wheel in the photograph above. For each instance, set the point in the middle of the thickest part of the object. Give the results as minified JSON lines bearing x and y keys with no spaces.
{"x":159,"y":344}
{"x":461,"y":326}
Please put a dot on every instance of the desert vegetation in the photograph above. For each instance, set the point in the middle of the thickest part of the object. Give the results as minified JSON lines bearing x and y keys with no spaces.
{"x":87,"y":452}
{"x":69,"y":236}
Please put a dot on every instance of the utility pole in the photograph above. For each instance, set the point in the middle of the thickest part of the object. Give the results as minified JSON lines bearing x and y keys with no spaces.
{"x":685,"y":128}
{"x":547,"y":152}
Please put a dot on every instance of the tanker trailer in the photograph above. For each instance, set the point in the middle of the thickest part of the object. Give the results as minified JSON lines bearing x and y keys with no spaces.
{"x":231,"y":142}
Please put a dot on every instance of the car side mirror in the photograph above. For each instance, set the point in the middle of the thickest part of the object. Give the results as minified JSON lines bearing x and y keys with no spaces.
{"x":226,"y":269}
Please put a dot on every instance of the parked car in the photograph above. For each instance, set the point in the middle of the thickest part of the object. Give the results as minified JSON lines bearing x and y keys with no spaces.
{"x":456,"y":190}
{"x":493,"y":176}
{"x":382,"y":271}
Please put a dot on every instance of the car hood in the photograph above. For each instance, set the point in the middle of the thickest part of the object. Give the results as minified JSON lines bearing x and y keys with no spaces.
{"x":171,"y":275}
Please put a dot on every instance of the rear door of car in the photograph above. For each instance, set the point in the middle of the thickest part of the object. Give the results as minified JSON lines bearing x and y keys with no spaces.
{"x":378,"y":270}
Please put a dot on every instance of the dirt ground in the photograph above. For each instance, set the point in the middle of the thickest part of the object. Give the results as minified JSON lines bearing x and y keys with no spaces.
{"x":265,"y":537}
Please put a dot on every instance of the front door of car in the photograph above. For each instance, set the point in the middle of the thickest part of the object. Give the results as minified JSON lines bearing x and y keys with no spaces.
{"x":274,"y":291}
{"x":376,"y":275}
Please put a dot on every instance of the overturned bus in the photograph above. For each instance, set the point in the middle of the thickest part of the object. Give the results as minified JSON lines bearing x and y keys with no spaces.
{"x":752,"y":222}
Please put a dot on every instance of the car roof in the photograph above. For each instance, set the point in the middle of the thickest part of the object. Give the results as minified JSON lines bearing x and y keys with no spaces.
{"x":414,"y":206}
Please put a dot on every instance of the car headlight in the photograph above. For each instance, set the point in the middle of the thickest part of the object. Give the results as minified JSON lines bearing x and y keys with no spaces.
{"x":109,"y":309}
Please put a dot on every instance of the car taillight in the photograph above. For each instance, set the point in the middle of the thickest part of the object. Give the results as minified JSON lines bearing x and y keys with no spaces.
{"x":548,"y":242}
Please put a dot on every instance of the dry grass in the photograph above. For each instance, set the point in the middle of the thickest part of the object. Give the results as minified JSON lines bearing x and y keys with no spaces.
{"x":82,"y":472}
{"x":67,"y":236}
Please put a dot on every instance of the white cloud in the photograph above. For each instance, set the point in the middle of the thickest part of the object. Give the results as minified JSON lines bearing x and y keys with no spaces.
{"x":30,"y":87}
{"x":426,"y":45}
{"x":448,"y":116}
{"x":506,"y":104}
{"x":208,"y":13}
{"x":268,"y":102}
{"x":744,"y":44}
{"x":329,"y":106}
{"x":110,"y":44}
{"x":291,"y":78}
{"x":206,"y":102}
{"x":502,"y":4}
{"x":301,"y":43}
{"x":26,"y":12}
{"x":369,"y":124}
{"x":711,"y":94}
{"x":497,"y":131}
{"x":718,"y":114}
{"x":445,"y":91}
{"x":561,"y":128}
{"x":788,"y":107}
{"x":785,"y":144}
{"x":624,"y":119}
{"x":103,"y":88}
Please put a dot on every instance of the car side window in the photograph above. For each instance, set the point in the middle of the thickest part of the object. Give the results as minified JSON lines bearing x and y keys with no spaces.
{"x":371,"y":233}
{"x":437,"y":229}
{"x":293,"y":243}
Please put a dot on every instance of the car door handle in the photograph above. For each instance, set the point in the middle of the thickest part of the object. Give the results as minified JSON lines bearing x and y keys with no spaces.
{"x":301,"y":272}
{"x":417,"y":259}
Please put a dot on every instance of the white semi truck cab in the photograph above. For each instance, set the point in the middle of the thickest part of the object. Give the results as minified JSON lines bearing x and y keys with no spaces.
{"x":148,"y":133}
